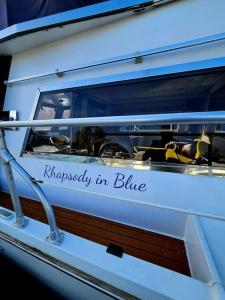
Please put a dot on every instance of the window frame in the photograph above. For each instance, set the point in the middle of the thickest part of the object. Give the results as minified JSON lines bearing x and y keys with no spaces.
{"x":201,"y":67}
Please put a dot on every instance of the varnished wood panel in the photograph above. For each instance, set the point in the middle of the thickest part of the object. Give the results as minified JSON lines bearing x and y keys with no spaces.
{"x":159,"y":249}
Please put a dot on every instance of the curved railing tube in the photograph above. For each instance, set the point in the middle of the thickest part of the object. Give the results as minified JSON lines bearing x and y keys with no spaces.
{"x":21,"y":221}
{"x":9,"y":161}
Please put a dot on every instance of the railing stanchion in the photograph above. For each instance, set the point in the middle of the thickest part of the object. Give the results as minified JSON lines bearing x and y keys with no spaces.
{"x":21,"y":221}
{"x":9,"y":162}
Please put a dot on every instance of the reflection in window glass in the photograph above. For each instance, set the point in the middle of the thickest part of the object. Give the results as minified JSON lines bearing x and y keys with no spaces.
{"x":220,"y":127}
{"x":172,"y":143}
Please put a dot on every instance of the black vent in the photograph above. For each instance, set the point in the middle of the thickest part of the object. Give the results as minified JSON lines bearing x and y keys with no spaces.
{"x":115,"y":250}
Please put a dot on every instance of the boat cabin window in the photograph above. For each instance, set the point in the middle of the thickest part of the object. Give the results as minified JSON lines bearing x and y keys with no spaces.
{"x":141,"y":144}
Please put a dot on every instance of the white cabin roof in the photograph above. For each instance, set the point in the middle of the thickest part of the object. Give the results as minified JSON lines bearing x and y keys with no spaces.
{"x":34,"y":33}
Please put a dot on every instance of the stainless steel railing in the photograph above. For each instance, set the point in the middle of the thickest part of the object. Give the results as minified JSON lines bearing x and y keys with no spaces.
{"x":10,"y":163}
{"x":152,"y":119}
{"x":127,"y":57}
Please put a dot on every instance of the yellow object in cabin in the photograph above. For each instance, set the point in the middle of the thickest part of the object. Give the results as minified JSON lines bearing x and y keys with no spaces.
{"x":171,"y":154}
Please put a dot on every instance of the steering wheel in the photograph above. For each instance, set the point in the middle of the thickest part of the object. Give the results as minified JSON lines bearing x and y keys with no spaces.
{"x":62,"y":142}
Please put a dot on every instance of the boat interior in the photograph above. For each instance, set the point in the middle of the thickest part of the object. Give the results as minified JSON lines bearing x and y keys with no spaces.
{"x":140,"y":145}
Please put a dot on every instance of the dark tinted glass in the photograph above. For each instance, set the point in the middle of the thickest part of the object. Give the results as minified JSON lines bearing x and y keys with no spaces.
{"x":186,"y":144}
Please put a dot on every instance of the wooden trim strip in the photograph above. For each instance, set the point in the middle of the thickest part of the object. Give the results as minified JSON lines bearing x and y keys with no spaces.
{"x":156,"y":248}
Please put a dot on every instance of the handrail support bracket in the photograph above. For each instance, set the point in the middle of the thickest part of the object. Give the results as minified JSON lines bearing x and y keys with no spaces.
{"x":55,"y":238}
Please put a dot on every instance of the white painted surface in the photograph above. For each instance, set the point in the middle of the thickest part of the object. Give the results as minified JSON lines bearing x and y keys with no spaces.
{"x":65,"y":285}
{"x":177,"y":22}
{"x":179,"y":191}
{"x":200,"y":259}
{"x":162,"y":26}
{"x":141,"y":279}
{"x":214,"y":235}
{"x":130,"y":34}
{"x":12,"y":46}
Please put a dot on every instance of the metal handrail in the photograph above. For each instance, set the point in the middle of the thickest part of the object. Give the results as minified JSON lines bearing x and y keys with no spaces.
{"x":150,"y":119}
{"x":127,"y":57}
{"x":9,"y":162}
